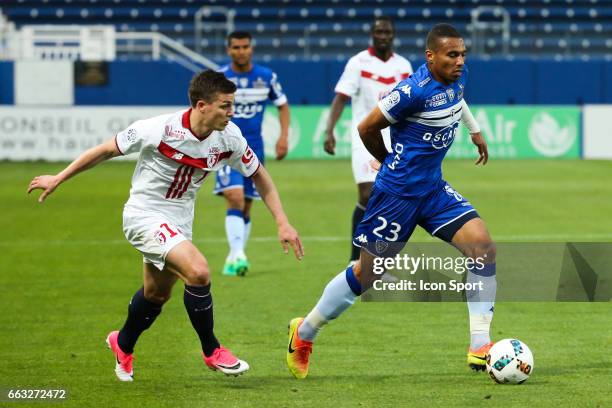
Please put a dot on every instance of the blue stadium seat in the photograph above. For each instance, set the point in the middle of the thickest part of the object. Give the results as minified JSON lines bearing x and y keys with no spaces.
{"x":329,"y":28}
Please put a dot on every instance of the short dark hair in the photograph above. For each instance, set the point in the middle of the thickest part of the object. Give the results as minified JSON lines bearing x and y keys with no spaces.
{"x":207,"y":84}
{"x":438,"y":31}
{"x":238,"y":35}
{"x":382,"y":18}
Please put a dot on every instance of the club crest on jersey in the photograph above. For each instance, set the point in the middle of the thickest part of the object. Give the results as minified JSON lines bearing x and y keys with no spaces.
{"x":243,"y":82}
{"x":381,"y":246}
{"x":212,"y":159}
{"x":451,"y":94}
{"x":259,"y":83}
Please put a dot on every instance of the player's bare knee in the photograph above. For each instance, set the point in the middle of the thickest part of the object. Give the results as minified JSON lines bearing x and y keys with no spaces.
{"x":197,"y":274}
{"x":234,"y":199}
{"x":483,"y":249}
{"x":156,"y":296}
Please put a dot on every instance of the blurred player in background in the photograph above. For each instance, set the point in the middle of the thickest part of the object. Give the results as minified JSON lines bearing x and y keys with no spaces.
{"x":256,"y":86}
{"x":177,"y":152}
{"x":367,"y":77}
{"x":423,"y":112}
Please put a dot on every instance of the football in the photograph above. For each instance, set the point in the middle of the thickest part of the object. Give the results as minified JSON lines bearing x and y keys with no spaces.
{"x":510,"y":362}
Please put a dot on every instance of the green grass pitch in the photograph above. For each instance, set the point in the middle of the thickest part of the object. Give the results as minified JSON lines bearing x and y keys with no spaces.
{"x":67,"y":274}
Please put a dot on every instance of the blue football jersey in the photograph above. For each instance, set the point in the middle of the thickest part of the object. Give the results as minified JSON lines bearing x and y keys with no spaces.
{"x":255,"y":89}
{"x":424,"y":116}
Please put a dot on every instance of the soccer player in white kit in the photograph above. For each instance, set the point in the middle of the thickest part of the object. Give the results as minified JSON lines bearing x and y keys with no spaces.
{"x":367,"y":77}
{"x":177,"y":152}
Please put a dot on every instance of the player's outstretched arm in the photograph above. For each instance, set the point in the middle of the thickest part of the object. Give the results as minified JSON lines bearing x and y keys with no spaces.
{"x":369,"y":131}
{"x":86,"y":160}
{"x":337,"y":107}
{"x":286,"y":233}
{"x":470,"y":123}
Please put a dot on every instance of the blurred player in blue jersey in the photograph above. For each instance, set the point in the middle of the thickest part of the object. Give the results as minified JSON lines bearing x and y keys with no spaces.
{"x":423,"y":112}
{"x":256,"y":86}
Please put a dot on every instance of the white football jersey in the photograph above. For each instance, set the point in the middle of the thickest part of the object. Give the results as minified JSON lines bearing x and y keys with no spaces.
{"x":366,"y":79}
{"x":173,"y":163}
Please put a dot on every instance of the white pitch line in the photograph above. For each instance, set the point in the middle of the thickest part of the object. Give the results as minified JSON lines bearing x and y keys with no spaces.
{"x":315,"y":238}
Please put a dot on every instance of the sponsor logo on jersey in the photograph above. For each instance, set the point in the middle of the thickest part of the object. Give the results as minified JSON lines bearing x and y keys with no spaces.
{"x":391,"y":100}
{"x":443,"y":138}
{"x":451,"y":94}
{"x":436,"y":100}
{"x":247,"y":110}
{"x":173,"y":134}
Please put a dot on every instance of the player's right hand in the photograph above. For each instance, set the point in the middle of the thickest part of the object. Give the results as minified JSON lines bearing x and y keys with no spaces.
{"x":46,"y":183}
{"x":289,"y":236}
{"x":330,"y":144}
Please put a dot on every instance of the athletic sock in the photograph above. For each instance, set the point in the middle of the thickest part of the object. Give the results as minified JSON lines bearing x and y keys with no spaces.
{"x":247,"y":230}
{"x":358,"y":214}
{"x":234,"y":229}
{"x":141,"y":315}
{"x":199,"y":305}
{"x":481,"y":304}
{"x":339,"y":294}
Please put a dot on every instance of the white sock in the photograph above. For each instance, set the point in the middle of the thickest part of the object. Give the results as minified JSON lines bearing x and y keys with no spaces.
{"x":247,"y":230}
{"x":481,"y":304}
{"x":336,"y":298}
{"x":234,"y":229}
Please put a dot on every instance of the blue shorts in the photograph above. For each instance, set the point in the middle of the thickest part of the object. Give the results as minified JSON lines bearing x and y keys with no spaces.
{"x":228,"y":178}
{"x":389,"y":220}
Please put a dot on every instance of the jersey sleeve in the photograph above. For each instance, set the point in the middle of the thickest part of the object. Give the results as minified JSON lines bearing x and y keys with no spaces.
{"x":402,"y":101}
{"x":243,"y":158}
{"x":133,"y":138}
{"x":348,"y":84}
{"x":276,"y":95}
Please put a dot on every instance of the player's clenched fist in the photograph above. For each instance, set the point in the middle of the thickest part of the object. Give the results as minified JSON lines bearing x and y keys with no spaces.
{"x":289,"y":236}
{"x":46,"y":183}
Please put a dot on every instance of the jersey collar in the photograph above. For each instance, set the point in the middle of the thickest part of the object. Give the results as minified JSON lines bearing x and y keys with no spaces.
{"x":373,"y":53}
{"x":187,"y":125}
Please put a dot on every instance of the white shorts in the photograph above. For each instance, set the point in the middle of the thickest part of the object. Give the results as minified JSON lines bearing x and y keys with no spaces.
{"x":154,"y":235}
{"x":360,"y":159}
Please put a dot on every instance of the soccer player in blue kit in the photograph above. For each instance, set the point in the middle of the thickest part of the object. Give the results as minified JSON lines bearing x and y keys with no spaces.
{"x":423,"y":113}
{"x":256,"y":86}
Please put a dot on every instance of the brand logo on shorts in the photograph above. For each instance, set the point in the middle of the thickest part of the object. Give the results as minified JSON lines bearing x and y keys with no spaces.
{"x":363,"y":239}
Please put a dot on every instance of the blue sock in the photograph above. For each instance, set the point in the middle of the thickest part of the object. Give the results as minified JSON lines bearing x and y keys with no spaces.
{"x":234,"y":229}
{"x":481,"y":304}
{"x":339,"y":294}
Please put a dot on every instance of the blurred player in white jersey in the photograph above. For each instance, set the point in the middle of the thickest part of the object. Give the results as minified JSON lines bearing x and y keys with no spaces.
{"x":257,"y":85}
{"x":176,"y":153}
{"x":367,"y":77}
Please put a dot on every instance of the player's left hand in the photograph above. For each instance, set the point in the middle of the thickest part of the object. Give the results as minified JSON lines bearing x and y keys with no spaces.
{"x":483,"y":151}
{"x":289,"y":236}
{"x":282,"y":147}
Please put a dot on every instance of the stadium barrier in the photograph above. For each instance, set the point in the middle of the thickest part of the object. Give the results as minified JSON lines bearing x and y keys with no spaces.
{"x":519,"y":132}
